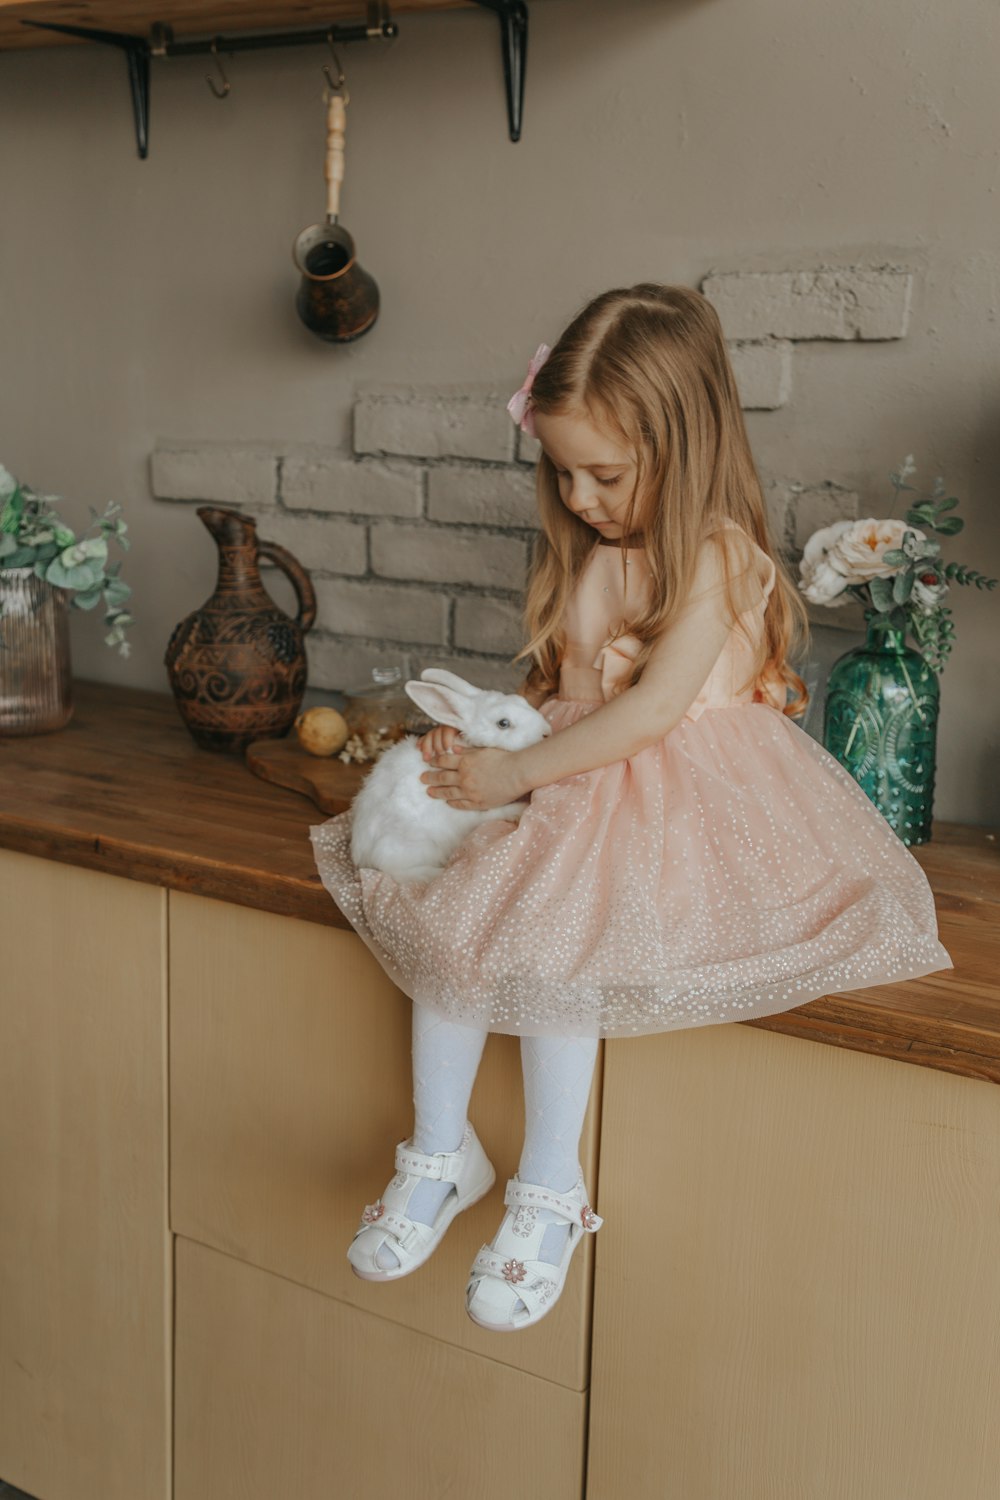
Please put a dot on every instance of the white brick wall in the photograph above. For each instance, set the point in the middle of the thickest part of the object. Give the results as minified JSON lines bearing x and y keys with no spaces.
{"x":419,"y":542}
{"x":763,"y":373}
{"x":447,"y":422}
{"x":382,"y":611}
{"x":214,"y":473}
{"x":848,"y":302}
{"x":484,"y":496}
{"x":327,"y":481}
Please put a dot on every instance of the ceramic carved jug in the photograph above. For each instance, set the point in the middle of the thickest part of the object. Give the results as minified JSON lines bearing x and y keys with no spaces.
{"x":237,"y":666}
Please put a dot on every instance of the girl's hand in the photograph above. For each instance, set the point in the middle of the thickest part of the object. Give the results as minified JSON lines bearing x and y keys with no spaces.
{"x":475,"y":780}
{"x":441,"y":738}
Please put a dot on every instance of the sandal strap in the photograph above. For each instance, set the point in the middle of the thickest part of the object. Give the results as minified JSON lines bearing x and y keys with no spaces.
{"x":442,"y":1166}
{"x":566,"y":1205}
{"x":527,"y":1278}
{"x":405,"y":1233}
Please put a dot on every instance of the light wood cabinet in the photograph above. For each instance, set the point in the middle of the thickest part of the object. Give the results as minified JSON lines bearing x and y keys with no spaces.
{"x":85,"y":1248}
{"x":795,"y":1294}
{"x":798,"y":1279}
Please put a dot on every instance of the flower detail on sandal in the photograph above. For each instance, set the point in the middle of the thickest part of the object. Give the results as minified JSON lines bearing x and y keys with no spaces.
{"x":373,"y":1211}
{"x":513,"y":1270}
{"x":588,"y":1218}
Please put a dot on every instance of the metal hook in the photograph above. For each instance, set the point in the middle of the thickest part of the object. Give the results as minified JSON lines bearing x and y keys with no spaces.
{"x":326,"y":69}
{"x":211,"y":81}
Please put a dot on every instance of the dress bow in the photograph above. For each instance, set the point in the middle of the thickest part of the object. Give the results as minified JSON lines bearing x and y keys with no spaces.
{"x":614,"y":661}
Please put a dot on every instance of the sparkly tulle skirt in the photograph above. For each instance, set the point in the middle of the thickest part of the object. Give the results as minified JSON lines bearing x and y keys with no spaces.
{"x":732,"y":869}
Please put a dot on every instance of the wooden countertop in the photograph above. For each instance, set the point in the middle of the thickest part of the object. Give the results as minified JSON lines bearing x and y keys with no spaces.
{"x":123,"y":788}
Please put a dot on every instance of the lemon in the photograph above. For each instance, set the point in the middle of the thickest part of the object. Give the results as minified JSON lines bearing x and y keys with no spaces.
{"x":321,"y":731}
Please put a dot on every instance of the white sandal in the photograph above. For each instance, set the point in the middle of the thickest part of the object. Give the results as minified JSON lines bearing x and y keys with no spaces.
{"x":385,"y":1222}
{"x":509,"y":1269}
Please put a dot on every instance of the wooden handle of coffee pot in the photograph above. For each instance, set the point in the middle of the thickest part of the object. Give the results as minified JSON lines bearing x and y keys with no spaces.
{"x":336,"y":120}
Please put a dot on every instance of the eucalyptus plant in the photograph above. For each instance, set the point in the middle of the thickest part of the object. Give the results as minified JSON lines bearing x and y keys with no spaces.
{"x":33,"y":535}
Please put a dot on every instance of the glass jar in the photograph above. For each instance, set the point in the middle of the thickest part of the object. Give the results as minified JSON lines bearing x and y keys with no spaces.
{"x":881,"y":721}
{"x":35,"y":682}
{"x":382,"y":708}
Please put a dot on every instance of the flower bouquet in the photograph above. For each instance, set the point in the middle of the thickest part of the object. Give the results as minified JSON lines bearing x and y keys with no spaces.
{"x":882,"y":701}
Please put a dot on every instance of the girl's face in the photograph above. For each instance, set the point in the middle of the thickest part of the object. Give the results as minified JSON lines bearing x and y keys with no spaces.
{"x":596,"y":476}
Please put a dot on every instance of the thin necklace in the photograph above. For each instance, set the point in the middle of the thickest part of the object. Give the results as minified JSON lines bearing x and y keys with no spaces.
{"x":634,"y":539}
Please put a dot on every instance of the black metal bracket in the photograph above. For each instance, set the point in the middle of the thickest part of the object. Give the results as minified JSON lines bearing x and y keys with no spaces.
{"x":138,"y":50}
{"x":513,"y":15}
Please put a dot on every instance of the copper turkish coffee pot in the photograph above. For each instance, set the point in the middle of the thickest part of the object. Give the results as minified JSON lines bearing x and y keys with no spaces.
{"x":337,"y":300}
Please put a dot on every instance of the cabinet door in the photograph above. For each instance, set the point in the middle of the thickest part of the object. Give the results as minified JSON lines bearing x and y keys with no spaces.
{"x":798,"y":1290}
{"x":291,"y":1082}
{"x":283,"y":1392}
{"x":85,"y":1250}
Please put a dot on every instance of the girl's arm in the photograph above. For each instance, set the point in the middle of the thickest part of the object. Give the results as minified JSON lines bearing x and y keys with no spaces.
{"x":677,"y":668}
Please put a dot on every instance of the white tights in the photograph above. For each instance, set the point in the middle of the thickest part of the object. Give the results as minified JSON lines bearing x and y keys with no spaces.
{"x":557,"y":1073}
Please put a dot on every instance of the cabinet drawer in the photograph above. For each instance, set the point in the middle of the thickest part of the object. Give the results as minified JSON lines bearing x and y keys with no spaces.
{"x":282,"y":1391}
{"x":290,"y":1083}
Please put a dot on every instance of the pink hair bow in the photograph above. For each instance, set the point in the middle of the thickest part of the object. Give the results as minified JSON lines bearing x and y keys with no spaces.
{"x":518,"y":405}
{"x":614,"y":661}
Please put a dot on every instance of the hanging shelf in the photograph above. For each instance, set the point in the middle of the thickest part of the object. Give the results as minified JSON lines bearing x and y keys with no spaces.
{"x":49,"y":23}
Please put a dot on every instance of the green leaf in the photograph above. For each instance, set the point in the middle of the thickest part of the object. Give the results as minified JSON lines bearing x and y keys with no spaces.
{"x":894,"y":556}
{"x":116,"y":592}
{"x":10,"y":516}
{"x":948,"y":504}
{"x":83,"y":577}
{"x":90,"y":547}
{"x":902,"y":587}
{"x":86,"y":600}
{"x":881,"y":590}
{"x":950,"y":525}
{"x":23,"y":557}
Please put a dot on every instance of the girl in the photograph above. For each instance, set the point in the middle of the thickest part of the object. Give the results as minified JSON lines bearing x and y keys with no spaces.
{"x":689,"y":855}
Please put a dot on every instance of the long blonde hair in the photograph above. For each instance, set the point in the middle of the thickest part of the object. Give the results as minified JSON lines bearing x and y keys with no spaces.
{"x":649,"y":364}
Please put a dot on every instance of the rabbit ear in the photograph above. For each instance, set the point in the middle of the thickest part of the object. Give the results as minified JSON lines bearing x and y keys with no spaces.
{"x":450,"y":679}
{"x":440,"y":703}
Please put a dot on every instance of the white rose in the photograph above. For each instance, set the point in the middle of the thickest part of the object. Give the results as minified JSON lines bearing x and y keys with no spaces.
{"x":858,"y":551}
{"x":822,"y":581}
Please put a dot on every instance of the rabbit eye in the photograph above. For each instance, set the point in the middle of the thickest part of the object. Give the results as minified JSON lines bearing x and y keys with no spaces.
{"x":503,"y":723}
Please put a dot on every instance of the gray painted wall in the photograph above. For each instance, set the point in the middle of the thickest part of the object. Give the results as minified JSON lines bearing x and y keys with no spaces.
{"x":150,"y":304}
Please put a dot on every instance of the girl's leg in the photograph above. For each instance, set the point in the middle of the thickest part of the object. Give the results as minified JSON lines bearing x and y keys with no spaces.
{"x":558,"y":1072}
{"x":446,"y":1059}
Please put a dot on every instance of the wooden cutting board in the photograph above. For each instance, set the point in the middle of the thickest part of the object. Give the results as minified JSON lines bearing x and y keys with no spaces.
{"x":331,"y":783}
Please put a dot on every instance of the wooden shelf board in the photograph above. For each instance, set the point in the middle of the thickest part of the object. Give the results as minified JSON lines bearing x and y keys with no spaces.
{"x":187,"y":17}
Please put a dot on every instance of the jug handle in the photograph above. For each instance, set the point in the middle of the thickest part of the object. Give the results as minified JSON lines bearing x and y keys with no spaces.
{"x":301,"y":582}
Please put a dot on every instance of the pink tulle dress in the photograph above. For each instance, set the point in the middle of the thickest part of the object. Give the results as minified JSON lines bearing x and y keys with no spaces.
{"x":732,"y":869}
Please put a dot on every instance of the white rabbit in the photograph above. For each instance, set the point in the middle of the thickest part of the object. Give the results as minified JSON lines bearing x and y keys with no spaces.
{"x":396,"y":826}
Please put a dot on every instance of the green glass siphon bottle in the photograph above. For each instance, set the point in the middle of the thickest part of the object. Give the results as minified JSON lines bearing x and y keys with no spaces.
{"x":880,"y":721}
